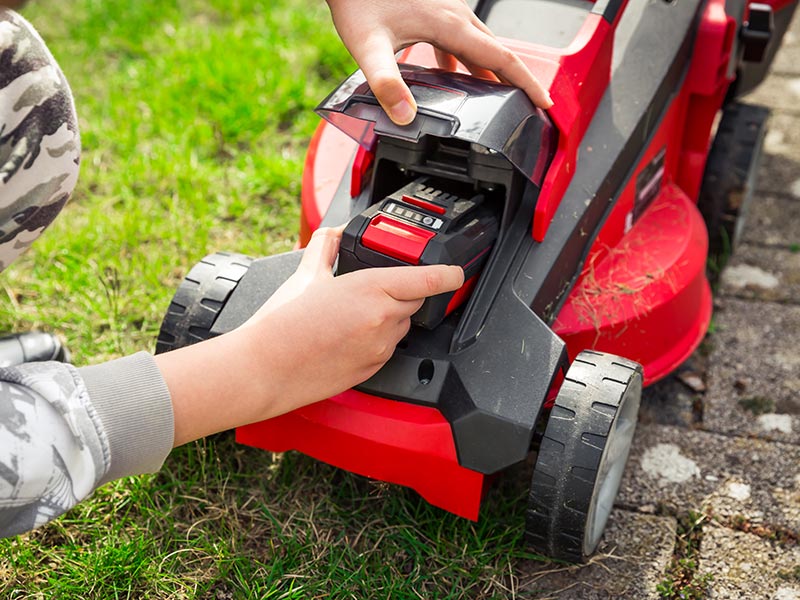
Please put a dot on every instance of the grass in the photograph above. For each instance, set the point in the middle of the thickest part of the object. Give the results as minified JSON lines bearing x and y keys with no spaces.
{"x":195,"y":116}
{"x":682,"y":581}
{"x":757,"y":405}
{"x":225,"y":521}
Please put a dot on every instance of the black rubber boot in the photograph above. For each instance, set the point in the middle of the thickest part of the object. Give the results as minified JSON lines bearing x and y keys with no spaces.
{"x":33,"y":346}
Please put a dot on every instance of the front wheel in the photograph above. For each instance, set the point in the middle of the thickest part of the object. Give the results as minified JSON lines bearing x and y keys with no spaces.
{"x":582,"y":455}
{"x":200,"y":299}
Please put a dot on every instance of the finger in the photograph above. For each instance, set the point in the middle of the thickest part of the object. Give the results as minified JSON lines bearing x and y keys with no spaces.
{"x":403,"y":327}
{"x":445,"y":60}
{"x":448,"y":62}
{"x":503,"y":80}
{"x":480,"y":72}
{"x":481,"y":25}
{"x":322,"y":250}
{"x":516,"y":73}
{"x":482,"y":50}
{"x":413,"y":283}
{"x":376,"y":59}
{"x":406,"y":308}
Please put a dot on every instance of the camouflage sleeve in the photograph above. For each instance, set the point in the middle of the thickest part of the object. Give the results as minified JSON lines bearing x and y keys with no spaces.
{"x":64,"y":431}
{"x":39,"y":140}
{"x":42,"y":470}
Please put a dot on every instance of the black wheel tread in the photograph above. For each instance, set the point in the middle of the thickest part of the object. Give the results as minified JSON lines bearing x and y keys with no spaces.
{"x":731,"y":160}
{"x":199,"y":299}
{"x":575,"y":435}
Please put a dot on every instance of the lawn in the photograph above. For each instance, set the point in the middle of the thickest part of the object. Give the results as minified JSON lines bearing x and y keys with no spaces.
{"x":195,"y":116}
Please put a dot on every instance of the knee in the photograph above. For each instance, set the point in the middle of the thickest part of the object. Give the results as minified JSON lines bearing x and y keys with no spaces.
{"x":39,"y":140}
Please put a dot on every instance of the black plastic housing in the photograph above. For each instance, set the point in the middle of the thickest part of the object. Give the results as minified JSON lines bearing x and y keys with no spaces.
{"x":489,"y":365}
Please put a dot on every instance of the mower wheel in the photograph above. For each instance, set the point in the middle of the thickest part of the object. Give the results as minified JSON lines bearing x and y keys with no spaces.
{"x":199,"y":300}
{"x":582,"y":455}
{"x":729,"y":177}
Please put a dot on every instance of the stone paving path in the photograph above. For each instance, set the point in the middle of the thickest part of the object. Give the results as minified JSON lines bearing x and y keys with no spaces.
{"x":719,"y":470}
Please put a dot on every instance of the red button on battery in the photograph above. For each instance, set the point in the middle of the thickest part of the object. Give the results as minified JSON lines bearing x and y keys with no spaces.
{"x":440,"y":210}
{"x":397,"y":239}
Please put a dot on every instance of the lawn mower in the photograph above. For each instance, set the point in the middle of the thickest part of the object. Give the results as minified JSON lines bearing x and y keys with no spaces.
{"x":583,"y":232}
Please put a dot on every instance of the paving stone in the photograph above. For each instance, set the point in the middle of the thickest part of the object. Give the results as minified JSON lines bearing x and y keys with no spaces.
{"x":756,"y":272}
{"x":783,"y":134}
{"x":743,"y":565}
{"x":670,"y":402}
{"x":734,"y":504}
{"x":754,"y":371}
{"x":787,"y":62}
{"x":793,"y":31}
{"x":779,"y":170}
{"x":788,"y":58}
{"x":781,"y":92}
{"x":779,"y":174}
{"x":675,"y":470}
{"x":635,"y":551}
{"x":773,"y":221}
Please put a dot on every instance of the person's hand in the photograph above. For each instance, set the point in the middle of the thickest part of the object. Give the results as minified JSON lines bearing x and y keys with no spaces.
{"x":335,"y":332}
{"x":373,"y":30}
{"x":316,"y":337}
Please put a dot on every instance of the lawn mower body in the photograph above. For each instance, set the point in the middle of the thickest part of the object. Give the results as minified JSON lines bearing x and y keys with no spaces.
{"x":589,"y":234}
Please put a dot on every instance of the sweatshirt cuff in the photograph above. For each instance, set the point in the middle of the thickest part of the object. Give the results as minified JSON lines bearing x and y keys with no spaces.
{"x":134,"y":405}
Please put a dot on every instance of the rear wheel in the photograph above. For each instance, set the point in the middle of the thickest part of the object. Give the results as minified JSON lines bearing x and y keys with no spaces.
{"x":729,"y":177}
{"x":199,"y":300}
{"x":582,"y":455}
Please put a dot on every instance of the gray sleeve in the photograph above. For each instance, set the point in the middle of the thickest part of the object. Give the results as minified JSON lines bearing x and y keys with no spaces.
{"x":134,"y":405}
{"x":64,"y":431}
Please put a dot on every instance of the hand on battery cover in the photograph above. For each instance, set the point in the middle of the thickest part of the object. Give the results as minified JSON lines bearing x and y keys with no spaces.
{"x":316,"y":337}
{"x":373,"y":30}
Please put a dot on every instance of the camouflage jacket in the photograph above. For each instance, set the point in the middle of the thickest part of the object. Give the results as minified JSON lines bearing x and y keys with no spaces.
{"x":63,"y":431}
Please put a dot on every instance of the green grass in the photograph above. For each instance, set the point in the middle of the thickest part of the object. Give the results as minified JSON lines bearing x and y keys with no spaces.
{"x":222,"y":520}
{"x":682,"y":581}
{"x":195,"y":115}
{"x":194,"y":124}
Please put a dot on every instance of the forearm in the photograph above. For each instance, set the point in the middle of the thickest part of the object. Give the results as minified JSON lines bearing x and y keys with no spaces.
{"x":217,"y":385}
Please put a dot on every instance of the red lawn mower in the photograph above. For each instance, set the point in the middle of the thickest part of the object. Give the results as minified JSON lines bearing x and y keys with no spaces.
{"x":583,"y":232}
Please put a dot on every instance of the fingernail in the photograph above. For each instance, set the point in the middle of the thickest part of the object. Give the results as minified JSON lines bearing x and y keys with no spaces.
{"x":403,"y":112}
{"x":549,"y":100}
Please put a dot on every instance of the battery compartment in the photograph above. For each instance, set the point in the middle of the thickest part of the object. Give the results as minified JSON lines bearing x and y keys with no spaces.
{"x":467,"y":171}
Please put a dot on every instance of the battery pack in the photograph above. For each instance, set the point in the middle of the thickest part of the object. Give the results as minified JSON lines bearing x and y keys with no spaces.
{"x":424,"y":223}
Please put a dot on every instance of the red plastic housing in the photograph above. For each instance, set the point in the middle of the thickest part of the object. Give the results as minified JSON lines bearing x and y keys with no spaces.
{"x":379,"y":438}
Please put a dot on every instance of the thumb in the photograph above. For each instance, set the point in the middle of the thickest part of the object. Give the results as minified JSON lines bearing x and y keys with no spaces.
{"x":415,"y":283}
{"x":376,"y":59}
{"x":321,"y":252}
